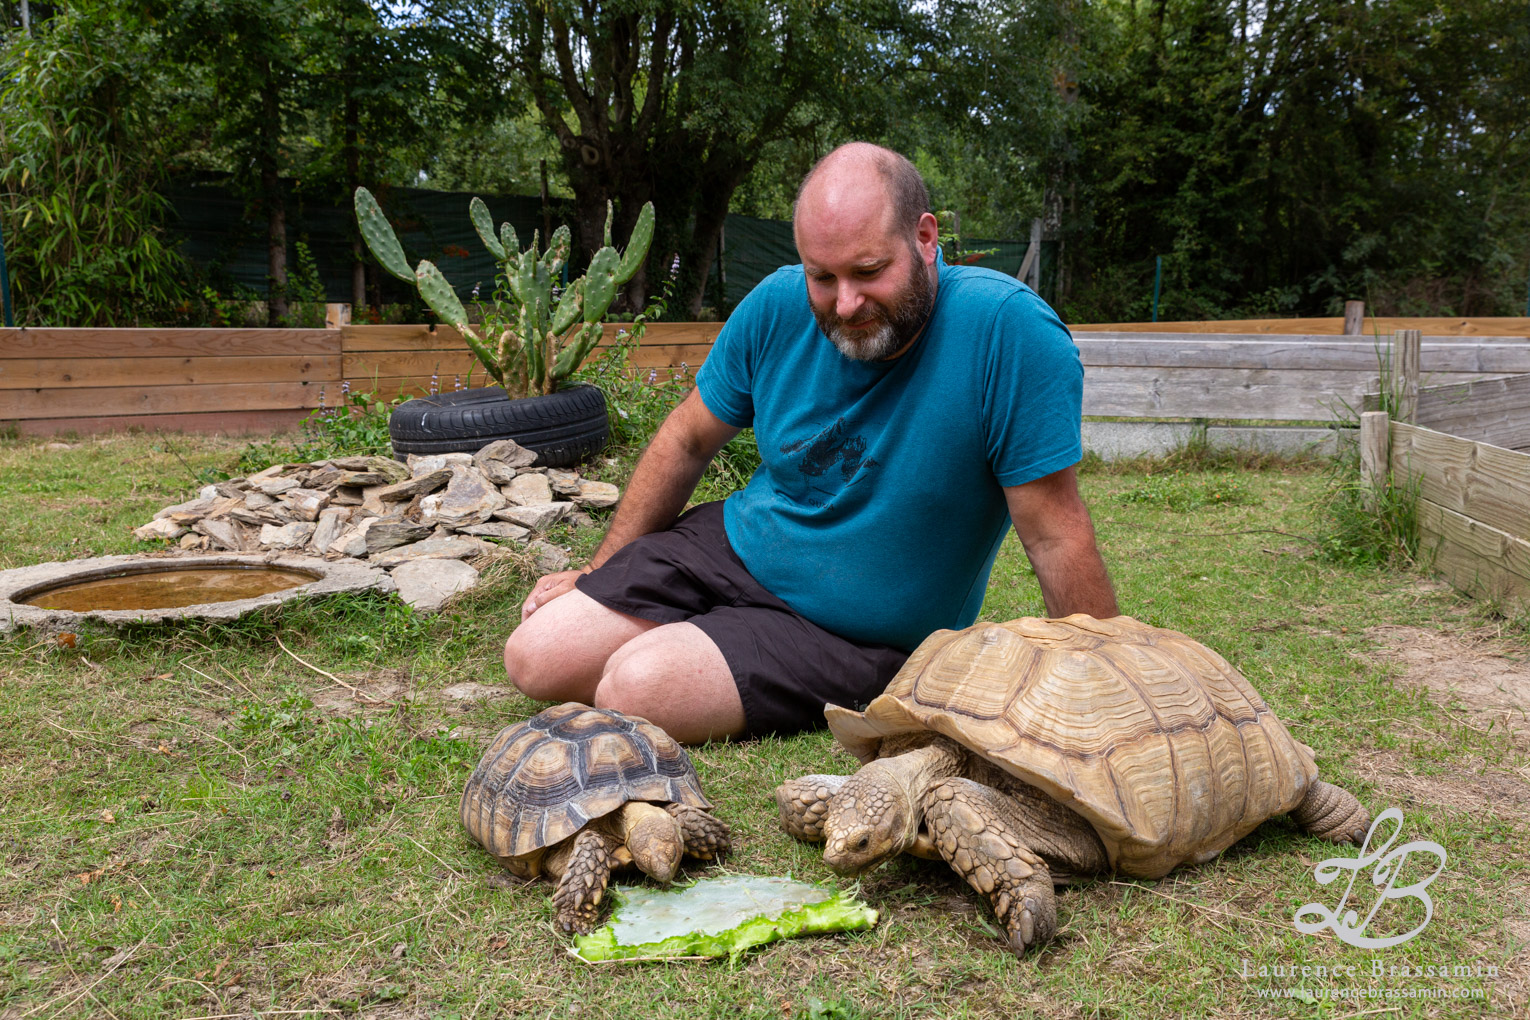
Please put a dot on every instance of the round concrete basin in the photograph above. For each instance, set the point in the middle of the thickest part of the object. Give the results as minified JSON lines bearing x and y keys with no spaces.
{"x":151,"y":589}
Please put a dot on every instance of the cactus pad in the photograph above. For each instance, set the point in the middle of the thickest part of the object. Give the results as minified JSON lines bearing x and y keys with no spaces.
{"x":484,"y":224}
{"x":380,"y":237}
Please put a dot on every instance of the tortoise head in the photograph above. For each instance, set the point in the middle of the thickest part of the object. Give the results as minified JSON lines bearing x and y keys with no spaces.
{"x":871,"y":819}
{"x":653,"y":839}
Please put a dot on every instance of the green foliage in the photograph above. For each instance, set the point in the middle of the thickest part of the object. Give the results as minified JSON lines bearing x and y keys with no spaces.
{"x":356,"y":427}
{"x":527,"y":345}
{"x":1362,"y":526}
{"x":82,"y":148}
{"x":1183,"y":493}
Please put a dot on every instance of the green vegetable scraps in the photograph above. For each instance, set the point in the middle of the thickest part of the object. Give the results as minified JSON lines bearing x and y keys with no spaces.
{"x":714,"y":917}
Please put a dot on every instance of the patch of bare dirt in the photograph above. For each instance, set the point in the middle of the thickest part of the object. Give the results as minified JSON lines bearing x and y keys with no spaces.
{"x":1465,"y":673}
{"x":1461,"y":791}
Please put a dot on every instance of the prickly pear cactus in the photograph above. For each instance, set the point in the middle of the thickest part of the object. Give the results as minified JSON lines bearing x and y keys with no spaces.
{"x":534,"y":342}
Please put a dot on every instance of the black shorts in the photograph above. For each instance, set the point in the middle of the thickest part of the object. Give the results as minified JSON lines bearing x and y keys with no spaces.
{"x":785,"y":666}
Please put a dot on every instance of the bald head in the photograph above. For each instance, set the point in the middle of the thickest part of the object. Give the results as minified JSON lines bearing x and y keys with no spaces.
{"x":856,"y":179}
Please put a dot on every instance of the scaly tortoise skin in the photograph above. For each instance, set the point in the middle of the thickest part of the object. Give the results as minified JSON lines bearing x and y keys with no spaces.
{"x":575,"y":792}
{"x":1030,"y":752}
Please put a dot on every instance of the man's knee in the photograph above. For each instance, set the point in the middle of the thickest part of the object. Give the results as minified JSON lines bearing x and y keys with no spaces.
{"x":524,"y":662}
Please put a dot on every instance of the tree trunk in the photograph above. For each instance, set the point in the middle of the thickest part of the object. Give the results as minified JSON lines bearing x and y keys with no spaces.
{"x":275,"y":201}
{"x":352,"y":182}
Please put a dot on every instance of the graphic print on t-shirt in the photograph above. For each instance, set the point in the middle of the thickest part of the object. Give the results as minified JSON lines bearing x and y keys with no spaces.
{"x":830,"y":461}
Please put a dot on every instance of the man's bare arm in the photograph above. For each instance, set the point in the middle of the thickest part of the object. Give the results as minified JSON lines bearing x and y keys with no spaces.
{"x":1053,"y":523}
{"x":664,"y":479}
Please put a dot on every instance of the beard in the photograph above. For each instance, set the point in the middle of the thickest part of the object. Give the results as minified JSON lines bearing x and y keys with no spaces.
{"x":895,"y":325}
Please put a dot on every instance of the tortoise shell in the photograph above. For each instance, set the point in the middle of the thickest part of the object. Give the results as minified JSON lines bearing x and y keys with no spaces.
{"x":1149,"y":735}
{"x":543,"y":779}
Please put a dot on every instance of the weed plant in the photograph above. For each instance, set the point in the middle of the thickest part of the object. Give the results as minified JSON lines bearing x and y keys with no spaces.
{"x":357,"y":427}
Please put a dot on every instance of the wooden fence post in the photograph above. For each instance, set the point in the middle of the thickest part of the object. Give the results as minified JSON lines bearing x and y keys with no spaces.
{"x":1410,"y":350}
{"x":337,"y":314}
{"x":1354,"y":318}
{"x":1375,"y":453}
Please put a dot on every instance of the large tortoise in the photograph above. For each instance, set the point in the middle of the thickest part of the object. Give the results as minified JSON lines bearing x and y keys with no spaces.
{"x":575,"y":792}
{"x":1034,"y":751}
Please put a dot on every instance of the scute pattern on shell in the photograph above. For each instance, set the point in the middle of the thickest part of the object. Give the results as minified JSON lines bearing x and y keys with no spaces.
{"x":543,"y":779}
{"x":1155,"y":739}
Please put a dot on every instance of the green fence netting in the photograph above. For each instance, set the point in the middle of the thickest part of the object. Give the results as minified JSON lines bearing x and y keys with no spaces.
{"x":224,"y":236}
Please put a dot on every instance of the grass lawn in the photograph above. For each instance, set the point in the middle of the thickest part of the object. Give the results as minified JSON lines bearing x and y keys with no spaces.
{"x":194,"y":824}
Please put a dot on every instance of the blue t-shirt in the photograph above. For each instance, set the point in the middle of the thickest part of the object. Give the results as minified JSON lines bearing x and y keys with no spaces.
{"x":879,"y":506}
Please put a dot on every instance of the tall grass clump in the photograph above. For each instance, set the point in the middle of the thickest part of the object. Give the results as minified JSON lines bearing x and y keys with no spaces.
{"x":1362,"y":525}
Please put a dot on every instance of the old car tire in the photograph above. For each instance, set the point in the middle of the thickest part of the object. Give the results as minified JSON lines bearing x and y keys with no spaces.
{"x":563,"y":428}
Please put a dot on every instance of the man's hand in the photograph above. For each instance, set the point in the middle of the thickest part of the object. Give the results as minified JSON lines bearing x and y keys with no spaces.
{"x":549,"y":587}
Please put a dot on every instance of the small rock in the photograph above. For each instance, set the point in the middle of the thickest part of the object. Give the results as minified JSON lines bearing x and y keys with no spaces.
{"x":496,"y":529}
{"x":550,"y":559}
{"x":254,"y":518}
{"x":542,"y":515}
{"x":579,"y":519}
{"x":224,"y":534}
{"x":597,"y":495}
{"x":207,"y":492}
{"x":391,"y":470}
{"x":529,"y":490}
{"x":55,"y":447}
{"x":306,"y":503}
{"x":325,"y":478}
{"x":384,"y":535}
{"x":425,"y":584}
{"x":288,"y":536}
{"x":431,"y":549}
{"x":500,"y":460}
{"x":277,"y":486}
{"x":274,"y":471}
{"x":346,"y":496}
{"x":470,"y":498}
{"x":363,"y":479}
{"x":222,"y":508}
{"x":162,"y":528}
{"x":564,"y":483}
{"x":191,"y":510}
{"x":419,"y":485}
{"x":256,"y":500}
{"x":332,"y":522}
{"x":472,"y":690}
{"x":352,"y":542}
{"x":431,"y":463}
{"x":193,"y":542}
{"x":228,"y":490}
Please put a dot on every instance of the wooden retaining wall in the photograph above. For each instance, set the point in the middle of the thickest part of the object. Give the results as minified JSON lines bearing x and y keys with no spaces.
{"x":87,"y":380}
{"x":1474,"y":506}
{"x":247,"y":380}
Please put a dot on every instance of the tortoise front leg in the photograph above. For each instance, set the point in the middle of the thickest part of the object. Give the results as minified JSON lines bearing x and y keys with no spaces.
{"x":585,"y":872}
{"x":706,"y":836}
{"x":804,"y":803}
{"x":971,"y":825}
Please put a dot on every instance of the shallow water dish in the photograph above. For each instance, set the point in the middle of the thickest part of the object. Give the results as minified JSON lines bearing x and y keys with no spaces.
{"x":149,"y":589}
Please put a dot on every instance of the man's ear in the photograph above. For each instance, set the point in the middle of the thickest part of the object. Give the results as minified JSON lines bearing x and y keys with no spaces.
{"x":927,"y":238}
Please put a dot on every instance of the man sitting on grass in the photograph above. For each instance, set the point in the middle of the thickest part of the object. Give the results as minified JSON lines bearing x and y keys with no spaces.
{"x":906,"y":412}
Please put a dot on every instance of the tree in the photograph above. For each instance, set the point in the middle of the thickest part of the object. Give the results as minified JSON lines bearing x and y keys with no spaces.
{"x":82,"y":149}
{"x":674,"y":103}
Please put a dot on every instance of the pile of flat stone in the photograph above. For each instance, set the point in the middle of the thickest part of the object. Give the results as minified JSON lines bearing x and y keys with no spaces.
{"x":436,"y":512}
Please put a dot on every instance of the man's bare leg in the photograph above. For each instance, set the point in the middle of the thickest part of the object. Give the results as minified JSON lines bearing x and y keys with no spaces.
{"x":560,"y":651}
{"x":675,"y":677}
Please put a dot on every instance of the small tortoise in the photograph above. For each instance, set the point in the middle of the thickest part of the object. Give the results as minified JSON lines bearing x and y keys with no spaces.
{"x":1037,"y":751}
{"x":575,"y":792}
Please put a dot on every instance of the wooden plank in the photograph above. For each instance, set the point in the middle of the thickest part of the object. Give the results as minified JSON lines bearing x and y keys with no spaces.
{"x":1374,"y":437}
{"x":109,"y":401}
{"x":1374,"y":327}
{"x":1495,"y":411}
{"x":1306,"y":353}
{"x":236,"y":423}
{"x":89,"y":372}
{"x":1483,"y":482}
{"x":1354,"y":318}
{"x":166,"y":343}
{"x":1223,"y":393}
{"x":1407,"y":350}
{"x":447,"y":363}
{"x":421,"y":338}
{"x":1475,"y":557}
